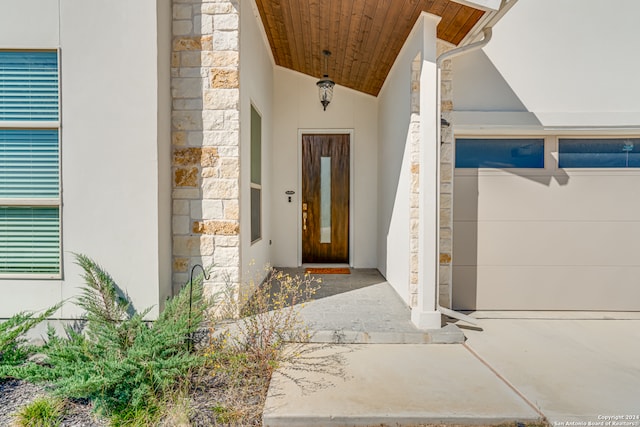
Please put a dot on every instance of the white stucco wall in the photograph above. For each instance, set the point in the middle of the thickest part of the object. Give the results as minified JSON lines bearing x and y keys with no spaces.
{"x":29,"y":24}
{"x":394,"y":166}
{"x":163,"y":34}
{"x":568,"y":63}
{"x":113,"y":143}
{"x":256,"y":87}
{"x":479,"y":85}
{"x":296,"y":107}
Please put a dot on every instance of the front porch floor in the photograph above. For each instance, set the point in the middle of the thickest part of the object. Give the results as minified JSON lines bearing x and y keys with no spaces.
{"x":362,"y":307}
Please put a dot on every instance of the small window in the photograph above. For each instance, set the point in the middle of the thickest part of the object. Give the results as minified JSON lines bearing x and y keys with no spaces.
{"x":499,"y":153}
{"x":599,"y":153}
{"x":256,"y":175}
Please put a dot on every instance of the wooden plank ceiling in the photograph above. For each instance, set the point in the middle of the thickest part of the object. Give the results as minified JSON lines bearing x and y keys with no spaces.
{"x":364,"y":36}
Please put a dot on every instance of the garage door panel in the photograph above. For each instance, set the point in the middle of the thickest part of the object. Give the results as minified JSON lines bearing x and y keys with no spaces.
{"x":546,"y":288}
{"x":464,"y":288}
{"x":573,"y":196}
{"x":531,"y":243}
{"x":465,"y":198}
{"x":465,"y":243}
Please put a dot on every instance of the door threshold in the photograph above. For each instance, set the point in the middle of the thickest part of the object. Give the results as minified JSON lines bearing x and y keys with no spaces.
{"x":325,"y":265}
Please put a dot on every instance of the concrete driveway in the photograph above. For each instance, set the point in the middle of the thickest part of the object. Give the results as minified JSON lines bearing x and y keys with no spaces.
{"x":573,"y":372}
{"x":577,"y":372}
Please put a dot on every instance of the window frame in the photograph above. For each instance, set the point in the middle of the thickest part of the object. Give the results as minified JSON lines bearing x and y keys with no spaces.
{"x":55,"y":202}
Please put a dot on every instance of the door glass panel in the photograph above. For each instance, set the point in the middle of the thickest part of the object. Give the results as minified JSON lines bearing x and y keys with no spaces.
{"x":325,"y":200}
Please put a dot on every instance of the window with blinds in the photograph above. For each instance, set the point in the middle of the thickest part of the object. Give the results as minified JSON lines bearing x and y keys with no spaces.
{"x":29,"y":164}
{"x":29,"y":86}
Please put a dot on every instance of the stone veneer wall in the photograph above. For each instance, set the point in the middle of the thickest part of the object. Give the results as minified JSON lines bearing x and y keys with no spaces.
{"x":446,"y":181}
{"x":446,"y":178}
{"x":205,"y":140}
{"x":414,"y":194}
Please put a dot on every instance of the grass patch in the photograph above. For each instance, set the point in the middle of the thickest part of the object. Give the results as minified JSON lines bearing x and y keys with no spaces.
{"x":42,"y":412}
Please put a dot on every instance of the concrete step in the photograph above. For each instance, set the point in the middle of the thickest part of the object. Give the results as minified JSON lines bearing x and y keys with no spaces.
{"x":450,"y":334}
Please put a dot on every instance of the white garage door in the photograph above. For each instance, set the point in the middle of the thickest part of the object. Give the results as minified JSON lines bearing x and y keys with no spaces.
{"x":547,"y":224}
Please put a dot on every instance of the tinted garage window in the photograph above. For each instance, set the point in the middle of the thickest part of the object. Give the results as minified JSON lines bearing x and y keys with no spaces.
{"x":499,"y":153}
{"x":599,"y":153}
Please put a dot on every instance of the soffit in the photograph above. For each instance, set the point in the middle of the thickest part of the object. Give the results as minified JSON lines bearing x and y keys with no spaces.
{"x":364,"y":36}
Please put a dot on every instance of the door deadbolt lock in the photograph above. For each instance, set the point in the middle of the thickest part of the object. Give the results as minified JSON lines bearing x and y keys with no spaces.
{"x":289,"y":193}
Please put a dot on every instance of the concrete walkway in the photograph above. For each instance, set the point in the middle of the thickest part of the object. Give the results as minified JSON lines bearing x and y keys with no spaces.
{"x":390,"y":384}
{"x":573,"y":372}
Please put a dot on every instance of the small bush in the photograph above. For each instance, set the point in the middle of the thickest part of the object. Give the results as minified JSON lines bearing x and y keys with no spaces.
{"x":249,"y":345}
{"x":270,"y":317}
{"x":14,"y":348}
{"x":42,"y":412}
{"x":120,"y":362}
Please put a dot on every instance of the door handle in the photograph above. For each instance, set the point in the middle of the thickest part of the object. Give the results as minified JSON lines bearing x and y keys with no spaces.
{"x":304,"y":221}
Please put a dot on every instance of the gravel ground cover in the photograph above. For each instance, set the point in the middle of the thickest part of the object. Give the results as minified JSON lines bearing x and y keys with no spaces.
{"x":209,"y":395}
{"x":14,"y":394}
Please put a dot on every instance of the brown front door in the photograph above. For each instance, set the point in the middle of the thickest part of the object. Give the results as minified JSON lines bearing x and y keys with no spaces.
{"x":325,"y":198}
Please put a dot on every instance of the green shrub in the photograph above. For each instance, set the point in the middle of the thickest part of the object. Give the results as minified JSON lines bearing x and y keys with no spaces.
{"x":42,"y":412}
{"x":14,"y":348}
{"x":122,"y":363}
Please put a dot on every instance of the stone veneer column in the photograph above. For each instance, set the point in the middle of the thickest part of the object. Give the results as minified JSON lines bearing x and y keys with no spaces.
{"x":205,"y":140}
{"x":446,"y":179}
{"x":414,"y":193}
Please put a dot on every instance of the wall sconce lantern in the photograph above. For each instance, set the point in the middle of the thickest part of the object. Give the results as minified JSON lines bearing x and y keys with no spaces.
{"x":325,"y":85}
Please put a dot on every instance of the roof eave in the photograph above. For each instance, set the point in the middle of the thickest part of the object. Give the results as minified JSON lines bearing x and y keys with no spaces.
{"x":486,"y":5}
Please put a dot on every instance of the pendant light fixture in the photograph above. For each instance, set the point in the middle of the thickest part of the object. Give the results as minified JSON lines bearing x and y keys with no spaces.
{"x":325,"y":85}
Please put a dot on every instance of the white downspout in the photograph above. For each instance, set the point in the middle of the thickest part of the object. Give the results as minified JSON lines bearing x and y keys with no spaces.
{"x":439,"y":60}
{"x":464,"y":49}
